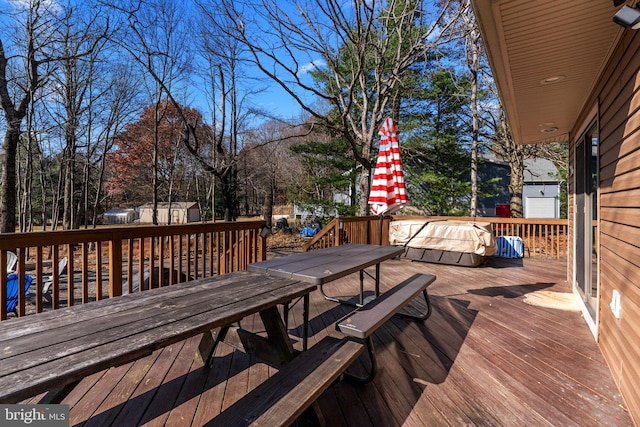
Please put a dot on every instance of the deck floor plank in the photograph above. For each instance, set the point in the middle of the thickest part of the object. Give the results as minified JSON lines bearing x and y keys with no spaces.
{"x":485,"y":357}
{"x":212,"y":388}
{"x":160,"y":399}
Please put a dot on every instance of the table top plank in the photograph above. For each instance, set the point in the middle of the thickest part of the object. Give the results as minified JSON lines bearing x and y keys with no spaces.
{"x":63,"y":342}
{"x":325,"y":265}
{"x":67,"y":360}
{"x":107,"y":308}
{"x":124,"y":313}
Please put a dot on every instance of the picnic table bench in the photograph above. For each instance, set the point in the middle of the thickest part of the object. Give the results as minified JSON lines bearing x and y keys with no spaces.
{"x":364,"y":321}
{"x":55,"y":350}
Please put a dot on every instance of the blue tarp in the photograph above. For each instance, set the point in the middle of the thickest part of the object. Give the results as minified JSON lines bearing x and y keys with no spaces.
{"x":309,"y":231}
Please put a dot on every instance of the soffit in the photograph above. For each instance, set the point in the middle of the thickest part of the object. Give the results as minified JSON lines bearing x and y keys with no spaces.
{"x":530,"y":41}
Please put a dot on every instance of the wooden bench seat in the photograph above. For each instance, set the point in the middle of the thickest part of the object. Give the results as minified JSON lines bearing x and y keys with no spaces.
{"x":281,"y":399}
{"x":364,"y":321}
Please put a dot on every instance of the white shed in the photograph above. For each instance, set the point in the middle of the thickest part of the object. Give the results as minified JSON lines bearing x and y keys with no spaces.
{"x":541,"y":190}
{"x":179,"y":212}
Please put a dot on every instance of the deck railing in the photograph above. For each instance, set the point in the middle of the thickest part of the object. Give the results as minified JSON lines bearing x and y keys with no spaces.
{"x":354,"y":229}
{"x":106,"y":262}
{"x":543,"y":238}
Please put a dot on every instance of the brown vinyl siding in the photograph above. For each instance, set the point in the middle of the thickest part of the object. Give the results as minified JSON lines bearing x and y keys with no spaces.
{"x":619,"y":210}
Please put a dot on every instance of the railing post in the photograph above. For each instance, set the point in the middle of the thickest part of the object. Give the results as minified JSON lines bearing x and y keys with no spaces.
{"x":262,"y":244}
{"x":3,"y":286}
{"x":115,"y":265}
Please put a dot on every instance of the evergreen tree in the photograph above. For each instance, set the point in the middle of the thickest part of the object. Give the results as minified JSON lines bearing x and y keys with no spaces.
{"x":327,"y":169}
{"x":437,"y":160}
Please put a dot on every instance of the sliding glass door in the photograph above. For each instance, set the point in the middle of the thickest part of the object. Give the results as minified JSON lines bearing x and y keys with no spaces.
{"x":586,"y":185}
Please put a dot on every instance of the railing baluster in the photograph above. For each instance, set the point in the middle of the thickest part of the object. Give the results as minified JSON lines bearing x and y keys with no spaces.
{"x":38,"y":280}
{"x":130,"y":261}
{"x":115,"y":265}
{"x":21,"y":281}
{"x":141,"y":263}
{"x":71,"y":281}
{"x":55,"y":276}
{"x":84,"y":275}
{"x":152,"y":264}
{"x":161,"y":262}
{"x":98,"y":271}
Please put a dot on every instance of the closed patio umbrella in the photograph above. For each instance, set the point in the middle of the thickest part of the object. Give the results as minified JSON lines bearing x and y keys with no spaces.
{"x":388,"y":192}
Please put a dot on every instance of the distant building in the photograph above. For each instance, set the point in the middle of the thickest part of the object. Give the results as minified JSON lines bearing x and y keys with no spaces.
{"x":179,"y":212}
{"x":119,"y":216}
{"x":540,"y":190}
{"x":491,"y":169}
{"x":304,"y":212}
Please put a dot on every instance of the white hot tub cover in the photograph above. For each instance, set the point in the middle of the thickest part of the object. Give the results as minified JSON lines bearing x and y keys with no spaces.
{"x":456,"y":236}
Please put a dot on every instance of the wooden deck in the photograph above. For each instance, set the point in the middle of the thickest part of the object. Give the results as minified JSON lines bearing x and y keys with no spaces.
{"x":485,"y":357}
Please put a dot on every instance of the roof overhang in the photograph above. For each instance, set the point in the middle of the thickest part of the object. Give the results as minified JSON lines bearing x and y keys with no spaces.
{"x":546,"y":58}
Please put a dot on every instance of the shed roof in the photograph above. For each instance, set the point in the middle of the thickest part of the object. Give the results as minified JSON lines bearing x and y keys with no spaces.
{"x":174,"y":205}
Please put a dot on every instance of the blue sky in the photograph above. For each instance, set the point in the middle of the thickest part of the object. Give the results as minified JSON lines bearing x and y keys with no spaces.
{"x":274,"y":99}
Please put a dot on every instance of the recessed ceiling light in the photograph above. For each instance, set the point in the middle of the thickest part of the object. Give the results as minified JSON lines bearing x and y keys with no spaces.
{"x":549,"y":130}
{"x":552,"y":79}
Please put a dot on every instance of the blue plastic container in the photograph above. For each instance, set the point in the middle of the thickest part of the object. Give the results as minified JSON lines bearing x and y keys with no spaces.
{"x":510,"y":247}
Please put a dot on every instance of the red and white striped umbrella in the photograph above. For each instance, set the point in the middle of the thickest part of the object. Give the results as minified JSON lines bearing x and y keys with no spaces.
{"x":388,"y":193}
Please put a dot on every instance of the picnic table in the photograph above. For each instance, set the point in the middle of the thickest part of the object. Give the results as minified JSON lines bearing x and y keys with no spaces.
{"x":322,"y":266}
{"x":53,"y":351}
{"x":60,"y":347}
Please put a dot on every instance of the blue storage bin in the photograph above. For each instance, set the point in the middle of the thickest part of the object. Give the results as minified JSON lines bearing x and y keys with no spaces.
{"x":510,"y":247}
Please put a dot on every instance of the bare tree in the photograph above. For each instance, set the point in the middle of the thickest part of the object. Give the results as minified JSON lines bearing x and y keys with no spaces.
{"x":359,"y":51}
{"x":504,"y":147}
{"x":157,"y":39}
{"x":82,"y":37}
{"x":26,"y":64}
{"x":118,"y":102}
{"x":472,"y":51}
{"x":23,"y":70}
{"x":229,"y":92}
{"x":269,"y":166}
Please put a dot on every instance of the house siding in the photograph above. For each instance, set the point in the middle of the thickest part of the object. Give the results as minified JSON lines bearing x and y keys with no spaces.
{"x":618,"y":95}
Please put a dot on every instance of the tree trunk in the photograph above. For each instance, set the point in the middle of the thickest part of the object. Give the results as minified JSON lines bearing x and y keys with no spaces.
{"x":365,"y":188}
{"x":156,"y":137}
{"x":515,"y":189}
{"x":8,"y":177}
{"x":227,"y":197}
{"x":25,"y":178}
{"x":267,"y":206}
{"x":68,"y":197}
{"x":475,"y":66}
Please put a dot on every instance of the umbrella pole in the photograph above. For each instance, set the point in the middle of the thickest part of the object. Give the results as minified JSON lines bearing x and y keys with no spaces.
{"x":381,"y":226}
